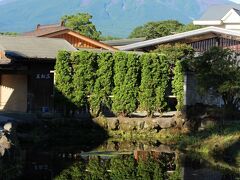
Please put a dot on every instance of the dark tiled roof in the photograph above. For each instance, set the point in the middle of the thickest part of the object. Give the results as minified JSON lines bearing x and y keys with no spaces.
{"x":123,"y":42}
{"x":33,"y":47}
{"x":42,"y":30}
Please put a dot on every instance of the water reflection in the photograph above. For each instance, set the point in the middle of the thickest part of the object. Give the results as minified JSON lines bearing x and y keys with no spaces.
{"x":11,"y":159}
{"x":112,"y":160}
{"x":121,"y":167}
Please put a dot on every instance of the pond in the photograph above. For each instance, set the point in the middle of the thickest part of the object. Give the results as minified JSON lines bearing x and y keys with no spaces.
{"x":111,"y":160}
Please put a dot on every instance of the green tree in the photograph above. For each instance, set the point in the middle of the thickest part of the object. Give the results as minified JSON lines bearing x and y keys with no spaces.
{"x":177,"y":55}
{"x":63,"y":77}
{"x":176,"y":52}
{"x":84,"y":65}
{"x":218,"y":72}
{"x":189,"y":27}
{"x":120,"y":69}
{"x":178,"y":84}
{"x":127,"y":83}
{"x":9,"y":33}
{"x":104,"y":84}
{"x":157,"y":29}
{"x":154,"y":79}
{"x":81,"y":22}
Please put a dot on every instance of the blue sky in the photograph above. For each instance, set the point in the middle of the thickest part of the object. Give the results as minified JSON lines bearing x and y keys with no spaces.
{"x":236,"y":1}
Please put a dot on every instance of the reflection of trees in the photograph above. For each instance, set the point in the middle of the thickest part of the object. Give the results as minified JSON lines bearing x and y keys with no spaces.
{"x":120,"y":167}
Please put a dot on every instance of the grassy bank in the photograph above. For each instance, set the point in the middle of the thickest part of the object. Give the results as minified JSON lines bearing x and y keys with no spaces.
{"x":219,"y":145}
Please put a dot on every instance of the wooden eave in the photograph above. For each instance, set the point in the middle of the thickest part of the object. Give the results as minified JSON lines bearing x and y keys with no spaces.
{"x":82,"y":37}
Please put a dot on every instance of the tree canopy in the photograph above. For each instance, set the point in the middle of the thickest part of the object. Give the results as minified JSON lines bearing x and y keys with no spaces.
{"x":9,"y":33}
{"x":158,"y":29}
{"x":218,"y":72}
{"x":81,"y":22}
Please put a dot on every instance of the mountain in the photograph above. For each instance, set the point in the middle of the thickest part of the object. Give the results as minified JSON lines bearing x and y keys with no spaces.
{"x":112,"y":17}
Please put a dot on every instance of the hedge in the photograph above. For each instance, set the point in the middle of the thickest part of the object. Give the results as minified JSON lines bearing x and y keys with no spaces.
{"x":121,"y":82}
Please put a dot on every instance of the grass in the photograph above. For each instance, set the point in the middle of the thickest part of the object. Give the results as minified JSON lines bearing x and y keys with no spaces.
{"x":218,"y":145}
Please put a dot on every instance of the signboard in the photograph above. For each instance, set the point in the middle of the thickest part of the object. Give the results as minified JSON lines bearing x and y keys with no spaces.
{"x":43,"y":76}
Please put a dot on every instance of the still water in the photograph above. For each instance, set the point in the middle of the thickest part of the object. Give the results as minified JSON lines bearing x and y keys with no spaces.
{"x":111,"y":160}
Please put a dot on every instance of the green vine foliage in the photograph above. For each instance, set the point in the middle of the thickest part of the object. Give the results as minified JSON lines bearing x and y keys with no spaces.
{"x":178,"y":85}
{"x":84,"y":76}
{"x":127,"y":83}
{"x":63,"y":78}
{"x":103,"y":85}
{"x":154,"y":79}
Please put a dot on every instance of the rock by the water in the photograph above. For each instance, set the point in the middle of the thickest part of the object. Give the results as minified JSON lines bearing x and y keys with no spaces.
{"x":7,"y":127}
{"x":4,"y":144}
{"x":166,"y":123}
{"x":113,"y":124}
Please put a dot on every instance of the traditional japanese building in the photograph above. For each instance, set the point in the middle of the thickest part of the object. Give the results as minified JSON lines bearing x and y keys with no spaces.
{"x":200,"y":39}
{"x":74,"y":38}
{"x":26,"y":81}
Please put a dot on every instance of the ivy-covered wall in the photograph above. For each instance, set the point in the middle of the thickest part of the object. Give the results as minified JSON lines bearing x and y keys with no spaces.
{"x":120,"y":82}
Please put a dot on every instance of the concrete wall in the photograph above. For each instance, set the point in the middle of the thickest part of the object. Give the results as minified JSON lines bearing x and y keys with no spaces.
{"x":191,"y":95}
{"x":13,"y":92}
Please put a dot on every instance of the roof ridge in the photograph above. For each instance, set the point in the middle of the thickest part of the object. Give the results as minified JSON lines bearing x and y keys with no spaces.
{"x":178,"y":36}
{"x":32,"y":37}
{"x":42,"y":26}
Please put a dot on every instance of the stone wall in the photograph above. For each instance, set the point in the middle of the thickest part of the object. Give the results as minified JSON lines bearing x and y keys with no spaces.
{"x":136,"y":124}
